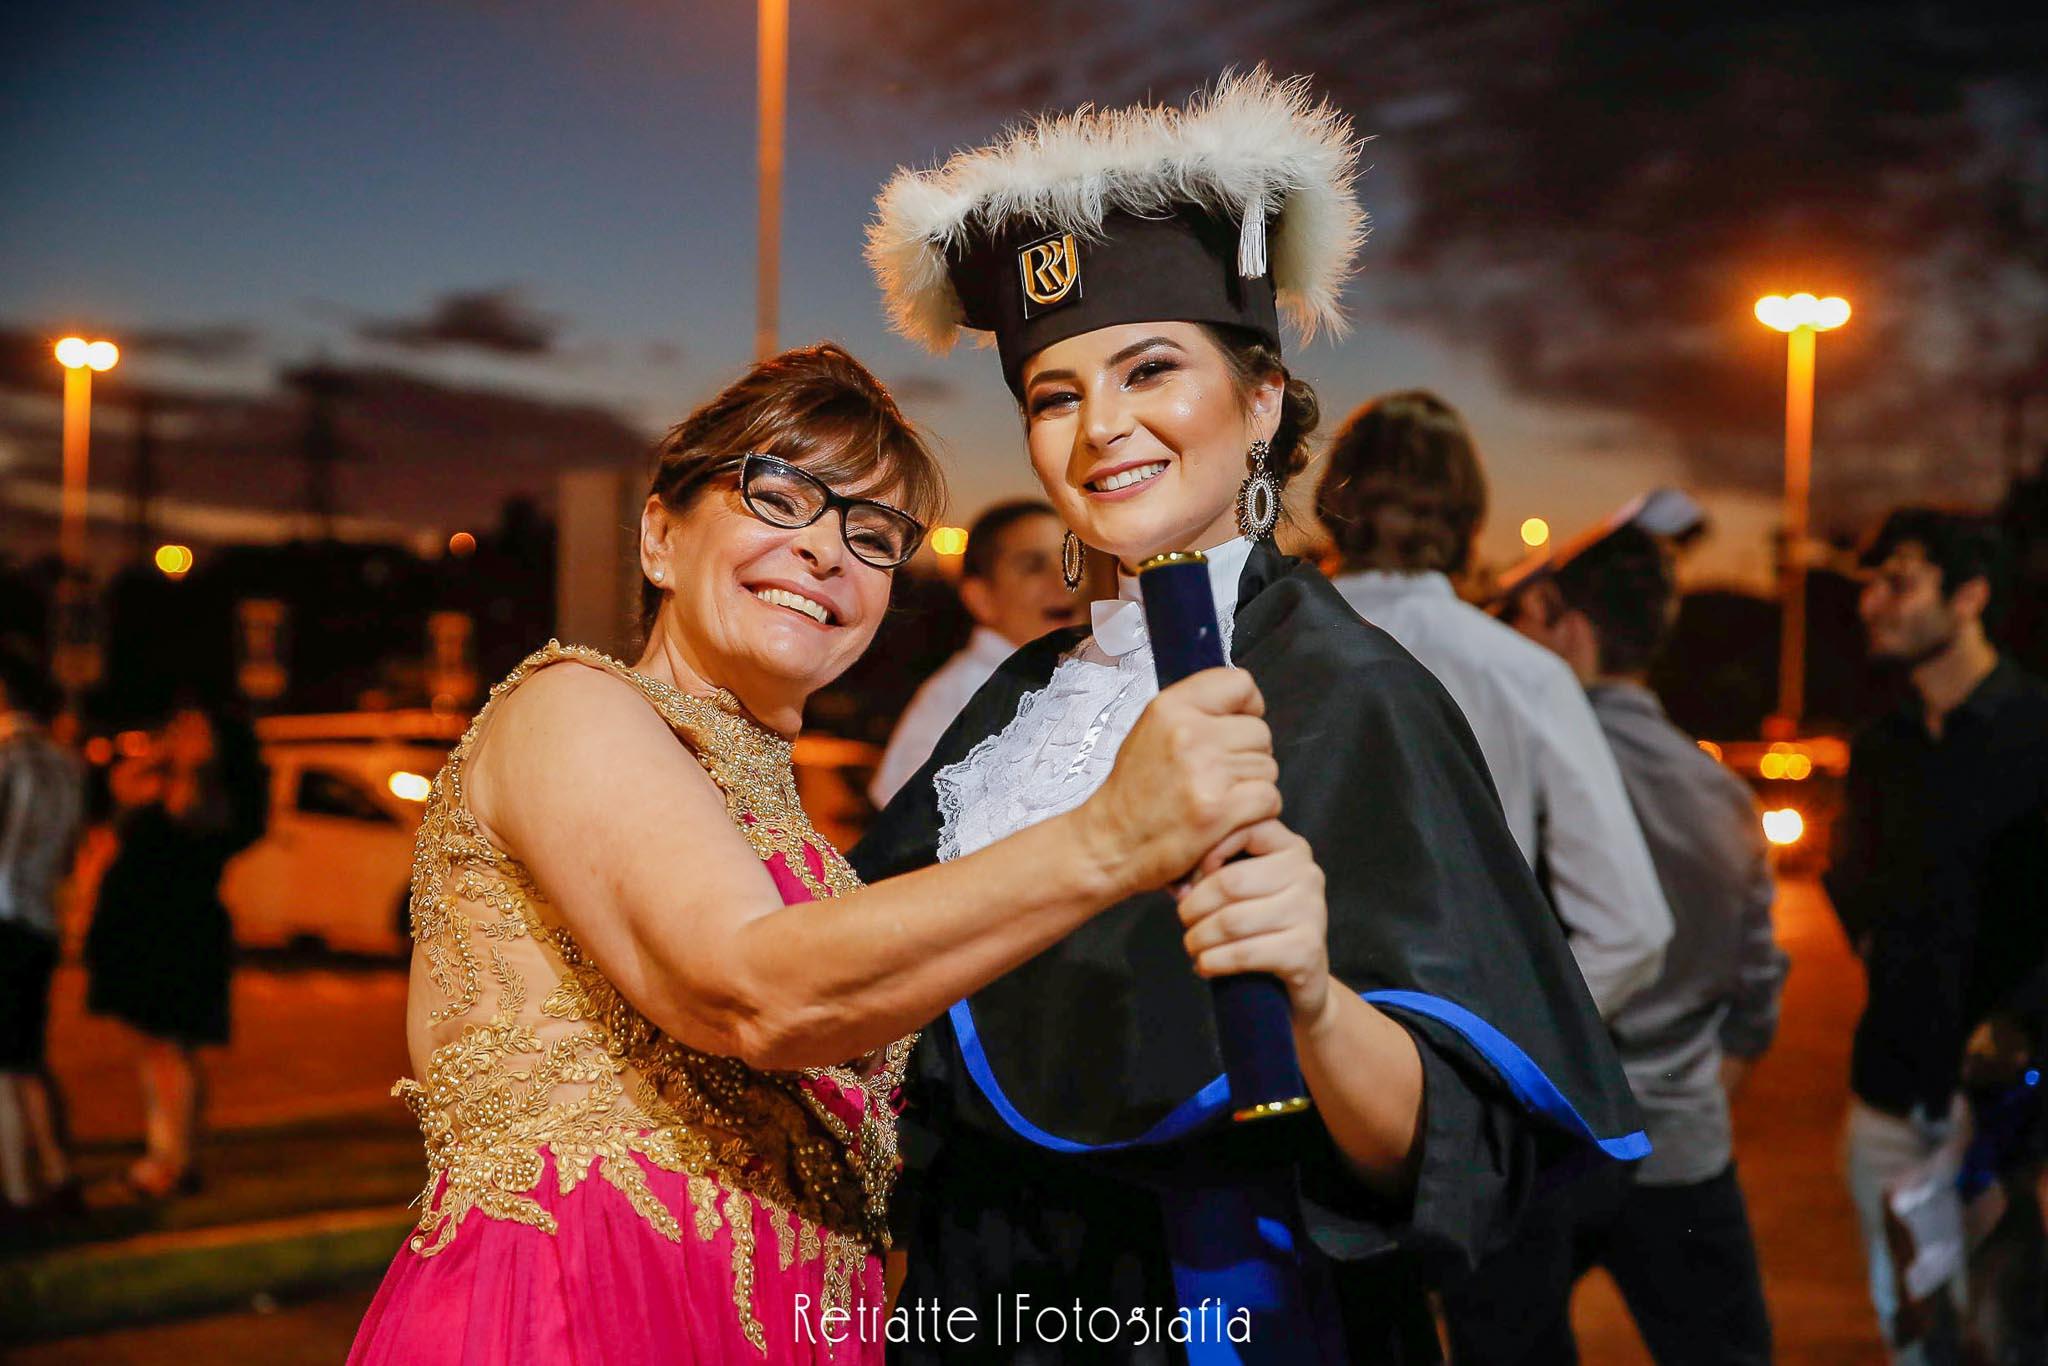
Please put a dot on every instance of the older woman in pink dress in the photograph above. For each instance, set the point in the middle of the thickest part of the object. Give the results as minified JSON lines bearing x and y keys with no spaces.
{"x":656,"y":1023}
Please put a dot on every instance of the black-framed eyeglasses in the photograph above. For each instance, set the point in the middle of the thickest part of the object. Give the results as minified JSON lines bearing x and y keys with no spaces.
{"x":781,"y":494}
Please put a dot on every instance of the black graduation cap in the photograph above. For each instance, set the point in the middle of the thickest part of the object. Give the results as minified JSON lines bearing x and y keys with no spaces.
{"x":1235,"y":209}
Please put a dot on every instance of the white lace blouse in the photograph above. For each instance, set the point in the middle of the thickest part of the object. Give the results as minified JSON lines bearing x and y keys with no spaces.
{"x":1063,"y":740}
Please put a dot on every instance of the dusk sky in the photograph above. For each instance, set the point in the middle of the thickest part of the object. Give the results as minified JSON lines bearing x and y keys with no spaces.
{"x":289,"y":178}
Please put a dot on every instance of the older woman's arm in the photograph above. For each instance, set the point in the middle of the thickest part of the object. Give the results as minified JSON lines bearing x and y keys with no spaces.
{"x":627,"y":836}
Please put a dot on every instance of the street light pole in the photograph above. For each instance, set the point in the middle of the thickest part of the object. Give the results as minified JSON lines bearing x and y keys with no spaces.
{"x":773,"y":81}
{"x":77,"y":460}
{"x":75,"y":659}
{"x":79,"y":359}
{"x":1801,"y":318}
{"x":1798,"y":483}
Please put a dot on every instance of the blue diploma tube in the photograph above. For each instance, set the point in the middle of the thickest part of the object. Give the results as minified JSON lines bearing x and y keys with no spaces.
{"x":1253,"y":1023}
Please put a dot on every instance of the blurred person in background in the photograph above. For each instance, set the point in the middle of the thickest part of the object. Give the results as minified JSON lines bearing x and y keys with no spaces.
{"x":1010,"y":584}
{"x":1677,"y":1241}
{"x":42,"y":799}
{"x":1403,"y":494}
{"x":1939,"y":864}
{"x":160,"y":951}
{"x":2004,"y":1182}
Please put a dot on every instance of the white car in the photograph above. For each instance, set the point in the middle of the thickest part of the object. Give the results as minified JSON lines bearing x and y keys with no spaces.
{"x":334,"y":865}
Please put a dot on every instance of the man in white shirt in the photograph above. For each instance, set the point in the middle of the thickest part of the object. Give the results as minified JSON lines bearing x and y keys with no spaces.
{"x":1010,"y":584}
{"x":1403,"y":494}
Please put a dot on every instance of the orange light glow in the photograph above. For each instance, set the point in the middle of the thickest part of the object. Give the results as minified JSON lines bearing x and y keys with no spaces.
{"x":1535,"y":533}
{"x":462,"y":544}
{"x":174,"y":560}
{"x":1712,"y":750}
{"x":949,"y":540}
{"x":411,"y":787}
{"x":76,"y":353}
{"x":1802,"y":310}
{"x":1784,"y":826}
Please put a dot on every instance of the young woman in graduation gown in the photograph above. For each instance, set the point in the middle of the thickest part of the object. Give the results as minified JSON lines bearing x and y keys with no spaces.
{"x":1069,"y":1139}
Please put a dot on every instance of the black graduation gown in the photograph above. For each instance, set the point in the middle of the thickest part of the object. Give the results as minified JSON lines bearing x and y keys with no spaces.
{"x":1101,"y":1036}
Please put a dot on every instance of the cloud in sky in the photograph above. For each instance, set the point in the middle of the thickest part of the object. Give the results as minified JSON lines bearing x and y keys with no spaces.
{"x":203,"y":342}
{"x":498,"y":321}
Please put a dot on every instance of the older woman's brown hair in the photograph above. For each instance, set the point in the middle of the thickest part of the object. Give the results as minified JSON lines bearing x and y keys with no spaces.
{"x":1403,"y":489}
{"x":817,"y":407}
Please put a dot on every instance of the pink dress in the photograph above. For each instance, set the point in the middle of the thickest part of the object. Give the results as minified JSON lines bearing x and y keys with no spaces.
{"x":597,"y":1192}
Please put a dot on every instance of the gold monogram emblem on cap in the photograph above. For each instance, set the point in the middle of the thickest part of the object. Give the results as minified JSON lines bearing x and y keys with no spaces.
{"x":1052,"y":272}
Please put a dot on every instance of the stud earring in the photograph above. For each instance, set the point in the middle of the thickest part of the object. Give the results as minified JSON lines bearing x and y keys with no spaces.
{"x":1258,"y":498}
{"x":1073,"y":560}
{"x":659,"y":575}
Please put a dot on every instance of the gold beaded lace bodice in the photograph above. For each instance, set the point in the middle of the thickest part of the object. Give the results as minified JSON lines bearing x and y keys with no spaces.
{"x":533,"y":1048}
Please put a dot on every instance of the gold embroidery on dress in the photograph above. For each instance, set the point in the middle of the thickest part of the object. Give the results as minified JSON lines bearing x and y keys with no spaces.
{"x":843,"y":1260}
{"x":704,"y":1199}
{"x":739,"y":1217}
{"x":785,"y":1236}
{"x":496,"y":1095}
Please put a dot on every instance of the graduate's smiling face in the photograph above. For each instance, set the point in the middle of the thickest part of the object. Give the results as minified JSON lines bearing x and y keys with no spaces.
{"x":1139,"y":434}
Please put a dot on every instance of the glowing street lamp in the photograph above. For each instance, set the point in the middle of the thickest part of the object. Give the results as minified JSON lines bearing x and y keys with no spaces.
{"x":76,"y":659}
{"x":80,"y":358}
{"x":771,"y":86}
{"x":1802,"y":317}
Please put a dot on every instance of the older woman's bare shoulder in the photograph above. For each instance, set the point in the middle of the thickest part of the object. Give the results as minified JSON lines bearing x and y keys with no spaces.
{"x":571,"y":731}
{"x":569,"y":709}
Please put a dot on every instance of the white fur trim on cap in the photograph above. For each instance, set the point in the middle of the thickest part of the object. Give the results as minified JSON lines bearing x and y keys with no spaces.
{"x":1251,"y":141}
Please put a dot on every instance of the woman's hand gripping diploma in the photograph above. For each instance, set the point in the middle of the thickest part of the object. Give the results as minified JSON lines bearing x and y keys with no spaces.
{"x":629,"y":840}
{"x":1265,"y":912}
{"x":1200,"y":759}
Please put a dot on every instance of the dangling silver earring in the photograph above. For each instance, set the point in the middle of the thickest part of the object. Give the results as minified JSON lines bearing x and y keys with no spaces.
{"x":1073,"y":560}
{"x":1258,"y":498}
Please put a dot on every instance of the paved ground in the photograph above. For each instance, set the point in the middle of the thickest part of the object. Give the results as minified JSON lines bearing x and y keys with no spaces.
{"x":310,"y":1042}
{"x":1788,"y":1124}
{"x":312,"y":1333}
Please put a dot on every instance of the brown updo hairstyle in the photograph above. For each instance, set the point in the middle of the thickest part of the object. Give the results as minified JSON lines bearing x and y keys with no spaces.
{"x":1252,"y":359}
{"x":816,"y":407}
{"x":1403,"y":488}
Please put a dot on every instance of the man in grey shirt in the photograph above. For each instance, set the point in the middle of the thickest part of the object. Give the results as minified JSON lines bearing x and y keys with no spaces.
{"x":1677,"y":1241}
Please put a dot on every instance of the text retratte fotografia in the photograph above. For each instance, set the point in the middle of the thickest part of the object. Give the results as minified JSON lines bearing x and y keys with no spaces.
{"x":1020,"y":1319}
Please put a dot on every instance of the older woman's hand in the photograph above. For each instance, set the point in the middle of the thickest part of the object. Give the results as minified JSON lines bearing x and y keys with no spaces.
{"x":1263,"y":913}
{"x":1197,"y":767}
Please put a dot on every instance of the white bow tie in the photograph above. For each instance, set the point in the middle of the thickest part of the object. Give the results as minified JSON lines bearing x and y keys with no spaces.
{"x":1119,"y":625}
